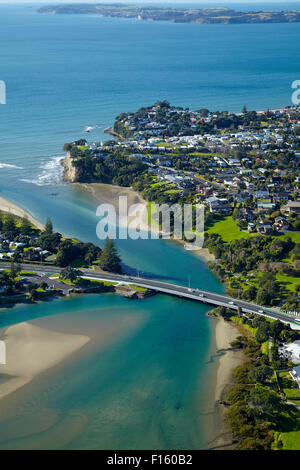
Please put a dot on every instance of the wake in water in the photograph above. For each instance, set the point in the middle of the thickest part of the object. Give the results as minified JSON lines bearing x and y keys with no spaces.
{"x":51,"y":174}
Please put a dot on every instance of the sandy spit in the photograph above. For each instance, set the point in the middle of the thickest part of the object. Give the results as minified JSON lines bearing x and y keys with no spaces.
{"x":12,"y":208}
{"x":31,"y":350}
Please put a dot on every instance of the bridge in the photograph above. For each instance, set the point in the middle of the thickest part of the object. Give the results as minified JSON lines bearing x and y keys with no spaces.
{"x":198,"y":295}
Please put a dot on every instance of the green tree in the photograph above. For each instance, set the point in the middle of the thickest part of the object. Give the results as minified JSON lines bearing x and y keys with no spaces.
{"x":48,"y":227}
{"x":260,"y":374}
{"x":15,"y":269}
{"x":9,"y":227}
{"x":25,"y":228}
{"x":70,"y":273}
{"x":109,"y":259}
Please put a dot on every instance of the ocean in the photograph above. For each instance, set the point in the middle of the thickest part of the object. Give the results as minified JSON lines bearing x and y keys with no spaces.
{"x":62,"y":73}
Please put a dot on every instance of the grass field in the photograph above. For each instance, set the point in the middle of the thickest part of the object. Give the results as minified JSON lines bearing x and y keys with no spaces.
{"x":294,"y":236}
{"x":228,"y":230}
{"x":290,"y":440}
{"x":289,"y":282}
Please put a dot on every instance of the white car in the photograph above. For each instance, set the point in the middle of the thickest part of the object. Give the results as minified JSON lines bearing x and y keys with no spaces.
{"x":231,"y":303}
{"x":260,"y":311}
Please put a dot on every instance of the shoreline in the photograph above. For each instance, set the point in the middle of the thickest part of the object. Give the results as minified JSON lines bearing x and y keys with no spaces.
{"x":224,"y":333}
{"x":12,"y":208}
{"x":109,"y":193}
{"x":227,"y":361}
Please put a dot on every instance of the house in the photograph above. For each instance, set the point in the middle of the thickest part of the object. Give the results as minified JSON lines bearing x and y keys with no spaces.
{"x":265,"y":206}
{"x":295,"y":374}
{"x":291,"y":206}
{"x":262,"y":194}
{"x":280,"y":224}
{"x":281,"y":197}
{"x":264,"y":227}
{"x":218,"y":205}
{"x":251,"y":227}
{"x":292,"y":352}
{"x":246,"y":214}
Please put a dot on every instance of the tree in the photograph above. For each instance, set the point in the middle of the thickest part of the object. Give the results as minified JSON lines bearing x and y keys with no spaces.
{"x":109,"y":259}
{"x":264,"y":403}
{"x":70,"y":273}
{"x":250,"y":293}
{"x":15,"y":269}
{"x":260,"y":374}
{"x":25,"y":227}
{"x":263,"y":332}
{"x":9,"y":227}
{"x":48,"y":227}
{"x":67,"y":252}
{"x":276,"y":328}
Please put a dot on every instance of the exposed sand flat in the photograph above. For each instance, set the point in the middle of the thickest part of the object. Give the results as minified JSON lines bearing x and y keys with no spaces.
{"x":225,"y":333}
{"x":109,"y":194}
{"x":12,"y":208}
{"x":30,"y":350}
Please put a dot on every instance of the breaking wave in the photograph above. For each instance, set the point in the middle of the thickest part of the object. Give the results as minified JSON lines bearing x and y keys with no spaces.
{"x":51,"y":174}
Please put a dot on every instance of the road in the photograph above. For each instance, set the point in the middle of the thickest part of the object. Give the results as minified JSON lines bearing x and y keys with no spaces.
{"x":172,"y":289}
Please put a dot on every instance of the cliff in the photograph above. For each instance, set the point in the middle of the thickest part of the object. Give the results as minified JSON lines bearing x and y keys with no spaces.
{"x":70,"y":172}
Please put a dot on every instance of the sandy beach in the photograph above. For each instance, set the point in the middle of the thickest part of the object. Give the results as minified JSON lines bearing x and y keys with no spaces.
{"x":12,"y":208}
{"x":220,"y":435}
{"x":225,"y":333}
{"x":31,"y":350}
{"x":109,"y":194}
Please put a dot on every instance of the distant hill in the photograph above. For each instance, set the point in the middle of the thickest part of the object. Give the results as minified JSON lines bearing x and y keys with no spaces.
{"x":219,"y":15}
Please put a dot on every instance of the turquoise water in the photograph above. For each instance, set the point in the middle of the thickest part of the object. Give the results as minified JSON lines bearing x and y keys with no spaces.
{"x":64,"y":72}
{"x":149,"y":389}
{"x":145,"y":391}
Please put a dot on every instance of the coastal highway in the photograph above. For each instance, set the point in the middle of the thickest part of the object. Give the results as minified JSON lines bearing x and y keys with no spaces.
{"x":172,"y":289}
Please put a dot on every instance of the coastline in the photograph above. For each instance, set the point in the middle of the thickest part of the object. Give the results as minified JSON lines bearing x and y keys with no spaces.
{"x":224,"y":333}
{"x":226,"y":361}
{"x":11,"y":208}
{"x":109,"y":194}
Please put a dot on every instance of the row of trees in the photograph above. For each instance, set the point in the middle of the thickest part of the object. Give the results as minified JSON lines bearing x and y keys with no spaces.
{"x":255,"y":408}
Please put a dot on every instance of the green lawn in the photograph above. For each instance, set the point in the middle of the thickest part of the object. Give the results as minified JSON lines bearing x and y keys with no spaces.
{"x":294,"y":236}
{"x":229,"y":230}
{"x":289,"y":282}
{"x":290,"y":440}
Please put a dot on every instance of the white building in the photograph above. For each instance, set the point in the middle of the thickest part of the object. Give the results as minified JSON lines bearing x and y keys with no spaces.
{"x":295,"y":374}
{"x":292,"y":351}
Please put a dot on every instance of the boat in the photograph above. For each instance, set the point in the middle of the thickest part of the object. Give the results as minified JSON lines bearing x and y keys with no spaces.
{"x":191,"y":247}
{"x":88,"y":129}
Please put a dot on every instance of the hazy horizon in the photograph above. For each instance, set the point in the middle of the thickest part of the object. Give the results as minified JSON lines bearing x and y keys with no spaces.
{"x":145,"y":2}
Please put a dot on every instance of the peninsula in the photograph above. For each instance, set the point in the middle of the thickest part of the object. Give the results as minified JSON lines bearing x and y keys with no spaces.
{"x":244,"y":169}
{"x":215,"y":15}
